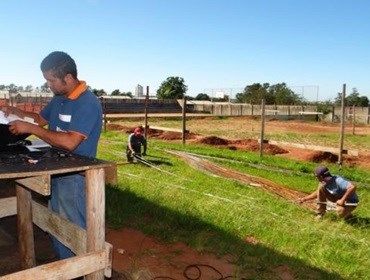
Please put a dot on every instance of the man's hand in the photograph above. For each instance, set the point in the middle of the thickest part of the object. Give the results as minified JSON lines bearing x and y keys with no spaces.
{"x":341,"y":202}
{"x":20,"y":127}
{"x":7,"y":110}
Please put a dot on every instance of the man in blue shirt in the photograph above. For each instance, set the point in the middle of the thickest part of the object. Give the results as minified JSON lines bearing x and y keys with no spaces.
{"x":336,"y":189}
{"x":74,"y":121}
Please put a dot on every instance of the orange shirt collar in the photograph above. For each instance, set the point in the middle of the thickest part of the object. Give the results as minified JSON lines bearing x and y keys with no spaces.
{"x":78,"y":90}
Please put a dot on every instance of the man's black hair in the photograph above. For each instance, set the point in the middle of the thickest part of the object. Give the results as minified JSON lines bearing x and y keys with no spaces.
{"x":322,"y":171}
{"x":60,"y":63}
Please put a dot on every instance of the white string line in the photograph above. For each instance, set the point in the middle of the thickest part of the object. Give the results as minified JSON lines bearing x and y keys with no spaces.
{"x":251,"y":206}
{"x":292,"y":220}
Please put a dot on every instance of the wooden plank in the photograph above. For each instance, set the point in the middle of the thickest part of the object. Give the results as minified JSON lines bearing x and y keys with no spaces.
{"x":167,"y":129}
{"x":39,"y":184}
{"x":70,"y":234}
{"x":95,"y":214}
{"x":61,"y":170}
{"x":111,"y":174}
{"x":66,"y":232}
{"x":64,"y":269}
{"x":310,"y":113}
{"x":109,"y":260}
{"x":8,"y":206}
{"x":25,"y":227}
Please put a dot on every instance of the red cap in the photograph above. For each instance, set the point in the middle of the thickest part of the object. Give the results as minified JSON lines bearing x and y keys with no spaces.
{"x":137,"y":130}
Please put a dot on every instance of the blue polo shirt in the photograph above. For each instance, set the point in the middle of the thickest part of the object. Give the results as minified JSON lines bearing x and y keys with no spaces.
{"x":82,"y":115}
{"x":337,"y":186}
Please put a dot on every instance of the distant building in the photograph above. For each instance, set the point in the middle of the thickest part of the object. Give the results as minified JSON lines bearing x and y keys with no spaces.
{"x":139,"y":91}
{"x":4,"y":94}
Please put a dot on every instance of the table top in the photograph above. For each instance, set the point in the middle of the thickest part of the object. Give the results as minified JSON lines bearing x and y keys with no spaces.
{"x":20,"y":162}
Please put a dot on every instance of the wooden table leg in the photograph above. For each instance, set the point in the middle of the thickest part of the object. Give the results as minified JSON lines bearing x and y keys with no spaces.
{"x":25,"y":227}
{"x":95,"y":214}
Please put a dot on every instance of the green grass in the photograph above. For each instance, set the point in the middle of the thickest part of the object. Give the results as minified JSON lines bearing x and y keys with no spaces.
{"x":176,"y":202}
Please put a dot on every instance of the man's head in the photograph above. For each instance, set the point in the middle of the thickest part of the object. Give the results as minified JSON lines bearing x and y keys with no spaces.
{"x":60,"y":72}
{"x":138,"y":131}
{"x":322,"y":173}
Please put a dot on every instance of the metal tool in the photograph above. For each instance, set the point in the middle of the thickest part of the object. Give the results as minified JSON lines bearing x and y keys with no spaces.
{"x":333,"y":203}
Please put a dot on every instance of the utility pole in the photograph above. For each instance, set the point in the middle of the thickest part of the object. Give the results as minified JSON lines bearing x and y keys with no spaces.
{"x":183,"y":119}
{"x":146,"y":112}
{"x":262,"y":126}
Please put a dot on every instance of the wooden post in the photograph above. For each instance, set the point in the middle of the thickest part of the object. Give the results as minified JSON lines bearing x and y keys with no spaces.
{"x":25,"y":227}
{"x":104,"y":106}
{"x":342,"y":126}
{"x":183,"y":120}
{"x":353,"y":119}
{"x":95,"y":215}
{"x":262,"y":126}
{"x":332,"y":113}
{"x":146,"y":112}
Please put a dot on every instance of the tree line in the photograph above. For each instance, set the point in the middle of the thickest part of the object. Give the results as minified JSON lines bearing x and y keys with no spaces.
{"x":175,"y":88}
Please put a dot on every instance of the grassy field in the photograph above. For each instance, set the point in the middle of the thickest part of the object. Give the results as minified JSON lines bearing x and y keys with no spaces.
{"x":261,"y":231}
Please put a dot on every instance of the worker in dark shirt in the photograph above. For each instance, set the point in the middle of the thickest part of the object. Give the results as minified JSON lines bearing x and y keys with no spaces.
{"x":135,"y":141}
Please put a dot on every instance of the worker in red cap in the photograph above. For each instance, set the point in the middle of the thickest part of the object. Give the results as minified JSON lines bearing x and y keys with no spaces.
{"x":135,"y":141}
{"x":336,"y":189}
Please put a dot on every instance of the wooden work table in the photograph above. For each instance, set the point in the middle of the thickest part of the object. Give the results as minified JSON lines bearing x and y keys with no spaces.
{"x":32,"y":173}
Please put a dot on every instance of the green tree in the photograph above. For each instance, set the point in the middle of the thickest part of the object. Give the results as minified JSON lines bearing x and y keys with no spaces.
{"x":28,"y":88}
{"x":278,"y":94}
{"x":116,"y":92}
{"x":254,"y":93}
{"x":172,"y":88}
{"x":284,"y":95}
{"x":12,"y":88}
{"x":99,"y":92}
{"x":324,"y":107}
{"x":363,"y":101}
{"x":45,"y":87}
{"x":129,"y":94}
{"x":353,"y":98}
{"x":202,"y":96}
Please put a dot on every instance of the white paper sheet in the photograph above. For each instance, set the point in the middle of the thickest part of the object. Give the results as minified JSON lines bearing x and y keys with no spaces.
{"x":11,"y":117}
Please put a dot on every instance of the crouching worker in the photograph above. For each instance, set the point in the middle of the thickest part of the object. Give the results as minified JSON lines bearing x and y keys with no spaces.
{"x":336,"y":189}
{"x":135,"y":141}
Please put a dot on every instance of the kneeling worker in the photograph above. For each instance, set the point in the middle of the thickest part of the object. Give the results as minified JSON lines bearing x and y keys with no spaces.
{"x":135,"y":141}
{"x":335,"y":189}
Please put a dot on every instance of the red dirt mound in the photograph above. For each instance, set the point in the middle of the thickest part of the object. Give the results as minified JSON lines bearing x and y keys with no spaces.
{"x":254,"y":146}
{"x":212,"y":140}
{"x":323,"y":157}
{"x":118,"y":127}
{"x":172,"y":135}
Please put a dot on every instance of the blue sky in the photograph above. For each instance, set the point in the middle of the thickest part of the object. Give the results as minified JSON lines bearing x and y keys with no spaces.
{"x":315,"y":46}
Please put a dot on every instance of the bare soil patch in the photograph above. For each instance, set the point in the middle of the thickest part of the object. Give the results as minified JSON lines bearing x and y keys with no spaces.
{"x":143,"y":257}
{"x":253,"y":145}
